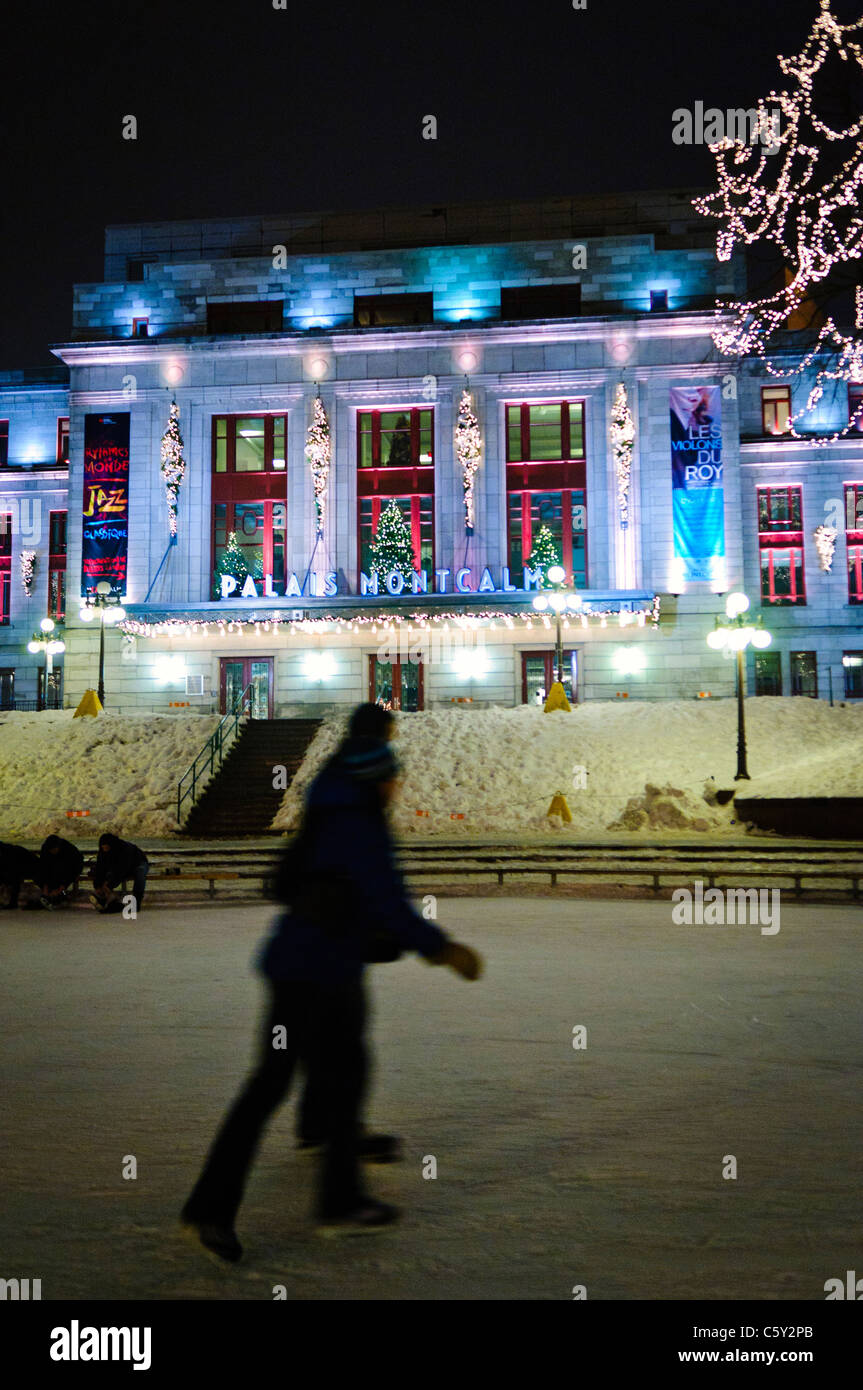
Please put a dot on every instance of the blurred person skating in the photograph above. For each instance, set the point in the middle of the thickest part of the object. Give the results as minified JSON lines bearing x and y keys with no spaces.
{"x":345,"y":907}
{"x":61,"y":864}
{"x":117,"y":862}
{"x":17,"y":865}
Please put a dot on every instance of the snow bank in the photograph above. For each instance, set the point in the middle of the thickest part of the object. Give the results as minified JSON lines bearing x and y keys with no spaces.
{"x":651,"y":767}
{"x":122,"y":769}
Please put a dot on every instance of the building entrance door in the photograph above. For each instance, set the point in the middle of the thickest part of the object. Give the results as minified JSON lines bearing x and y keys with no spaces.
{"x":235,"y":673}
{"x":396,"y":684}
{"x":538,"y":670}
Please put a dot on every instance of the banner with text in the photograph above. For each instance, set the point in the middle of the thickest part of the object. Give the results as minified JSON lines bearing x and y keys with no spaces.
{"x":105,"y":542}
{"x":698,"y":494}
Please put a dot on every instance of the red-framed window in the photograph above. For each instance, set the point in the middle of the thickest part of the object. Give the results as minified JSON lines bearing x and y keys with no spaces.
{"x":546,"y":482}
{"x":539,"y":672}
{"x":855,"y":407}
{"x":249,"y":454}
{"x":780,"y":541}
{"x":250,"y":443}
{"x":395,"y":462}
{"x":63,"y":439}
{"x":544,"y":431}
{"x":4,"y":443}
{"x":5,"y":568}
{"x":140,"y":328}
{"x":775,"y":409}
{"x":854,"y":540}
{"x":57,"y":565}
{"x":564,"y":513}
{"x":260,"y":528}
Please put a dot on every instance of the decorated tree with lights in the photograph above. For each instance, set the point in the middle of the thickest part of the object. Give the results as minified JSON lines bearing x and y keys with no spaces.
{"x":173,"y":464}
{"x":800,"y":195}
{"x":622,"y":433}
{"x":468,"y":449}
{"x":392,"y":549}
{"x":544,"y":554}
{"x":232,"y":561}
{"x":318,"y":452}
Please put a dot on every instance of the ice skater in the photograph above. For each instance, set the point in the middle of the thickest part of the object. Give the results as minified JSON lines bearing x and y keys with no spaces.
{"x":61,"y":864}
{"x":117,"y":861}
{"x":345,"y":907}
{"x":17,"y":865}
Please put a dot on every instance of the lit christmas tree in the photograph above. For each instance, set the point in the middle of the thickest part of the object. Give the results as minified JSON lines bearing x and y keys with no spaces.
{"x":392,"y":548}
{"x":468,"y":449}
{"x":173,"y":464}
{"x":544,"y":554}
{"x":318,"y":452}
{"x":803,"y":198}
{"x":232,"y":561}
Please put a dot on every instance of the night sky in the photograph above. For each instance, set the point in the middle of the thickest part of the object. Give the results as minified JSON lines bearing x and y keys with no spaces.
{"x":243,"y":109}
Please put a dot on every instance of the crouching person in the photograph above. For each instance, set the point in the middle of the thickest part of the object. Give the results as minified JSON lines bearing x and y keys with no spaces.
{"x":117,"y":862}
{"x":60,"y":866}
{"x":17,"y":865}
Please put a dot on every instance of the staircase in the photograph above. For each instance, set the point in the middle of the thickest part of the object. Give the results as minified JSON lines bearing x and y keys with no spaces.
{"x":240,"y":799}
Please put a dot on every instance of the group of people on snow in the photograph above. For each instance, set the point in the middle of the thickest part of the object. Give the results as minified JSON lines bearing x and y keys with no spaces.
{"x":57,"y":868}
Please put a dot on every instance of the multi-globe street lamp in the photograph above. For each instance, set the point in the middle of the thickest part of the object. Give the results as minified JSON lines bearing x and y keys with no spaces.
{"x":110,"y":611}
{"x":558,"y":600}
{"x":732,"y":635}
{"x":52,"y":647}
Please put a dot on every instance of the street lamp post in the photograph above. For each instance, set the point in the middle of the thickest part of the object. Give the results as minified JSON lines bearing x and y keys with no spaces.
{"x":51,"y":647}
{"x":110,"y":611}
{"x":732,"y":636}
{"x":558,"y":600}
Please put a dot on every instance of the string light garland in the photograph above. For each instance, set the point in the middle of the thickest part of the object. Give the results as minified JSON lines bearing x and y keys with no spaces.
{"x":810,"y":213}
{"x":622,"y":433}
{"x":28,"y":570}
{"x":468,"y":449}
{"x":318,"y":451}
{"x":825,"y":544}
{"x":275,"y":624}
{"x":173,"y":465}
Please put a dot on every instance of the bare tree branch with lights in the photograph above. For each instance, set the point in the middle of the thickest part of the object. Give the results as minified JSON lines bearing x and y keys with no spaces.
{"x":803,"y":199}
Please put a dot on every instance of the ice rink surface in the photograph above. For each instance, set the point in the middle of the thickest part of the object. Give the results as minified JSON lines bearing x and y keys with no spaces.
{"x":599,"y":1166}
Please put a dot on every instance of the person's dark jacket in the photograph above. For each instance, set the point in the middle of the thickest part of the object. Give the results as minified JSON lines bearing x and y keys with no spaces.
{"x":121,"y":861}
{"x":18,"y":864}
{"x":60,"y":869}
{"x":339,"y":883}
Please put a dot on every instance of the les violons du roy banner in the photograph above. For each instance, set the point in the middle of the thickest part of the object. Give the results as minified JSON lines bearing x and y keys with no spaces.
{"x":105,"y":543}
{"x":698,"y":493}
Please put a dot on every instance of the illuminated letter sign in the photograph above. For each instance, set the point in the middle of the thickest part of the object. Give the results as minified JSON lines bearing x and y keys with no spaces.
{"x":698,"y":494}
{"x":105,"y":536}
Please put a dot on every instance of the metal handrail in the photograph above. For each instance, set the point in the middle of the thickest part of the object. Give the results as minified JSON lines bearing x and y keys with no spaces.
{"x":215,"y":746}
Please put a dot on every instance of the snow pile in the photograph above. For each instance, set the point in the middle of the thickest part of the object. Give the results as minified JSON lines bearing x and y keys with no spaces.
{"x":645,"y":766}
{"x":122,"y":769}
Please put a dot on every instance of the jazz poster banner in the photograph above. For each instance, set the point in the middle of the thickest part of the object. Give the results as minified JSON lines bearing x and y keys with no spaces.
{"x":697,"y":490}
{"x":105,"y":544}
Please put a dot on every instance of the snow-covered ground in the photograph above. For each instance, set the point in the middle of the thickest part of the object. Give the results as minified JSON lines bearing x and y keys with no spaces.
{"x":602,"y":1166}
{"x":122,"y":769}
{"x":500,"y":768}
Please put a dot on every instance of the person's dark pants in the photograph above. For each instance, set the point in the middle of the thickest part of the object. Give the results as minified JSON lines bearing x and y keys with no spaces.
{"x":14,"y":887}
{"x":323,"y":1030}
{"x":139,"y":883}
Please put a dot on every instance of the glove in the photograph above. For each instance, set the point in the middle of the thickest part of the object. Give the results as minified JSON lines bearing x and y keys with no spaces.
{"x":461,"y":959}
